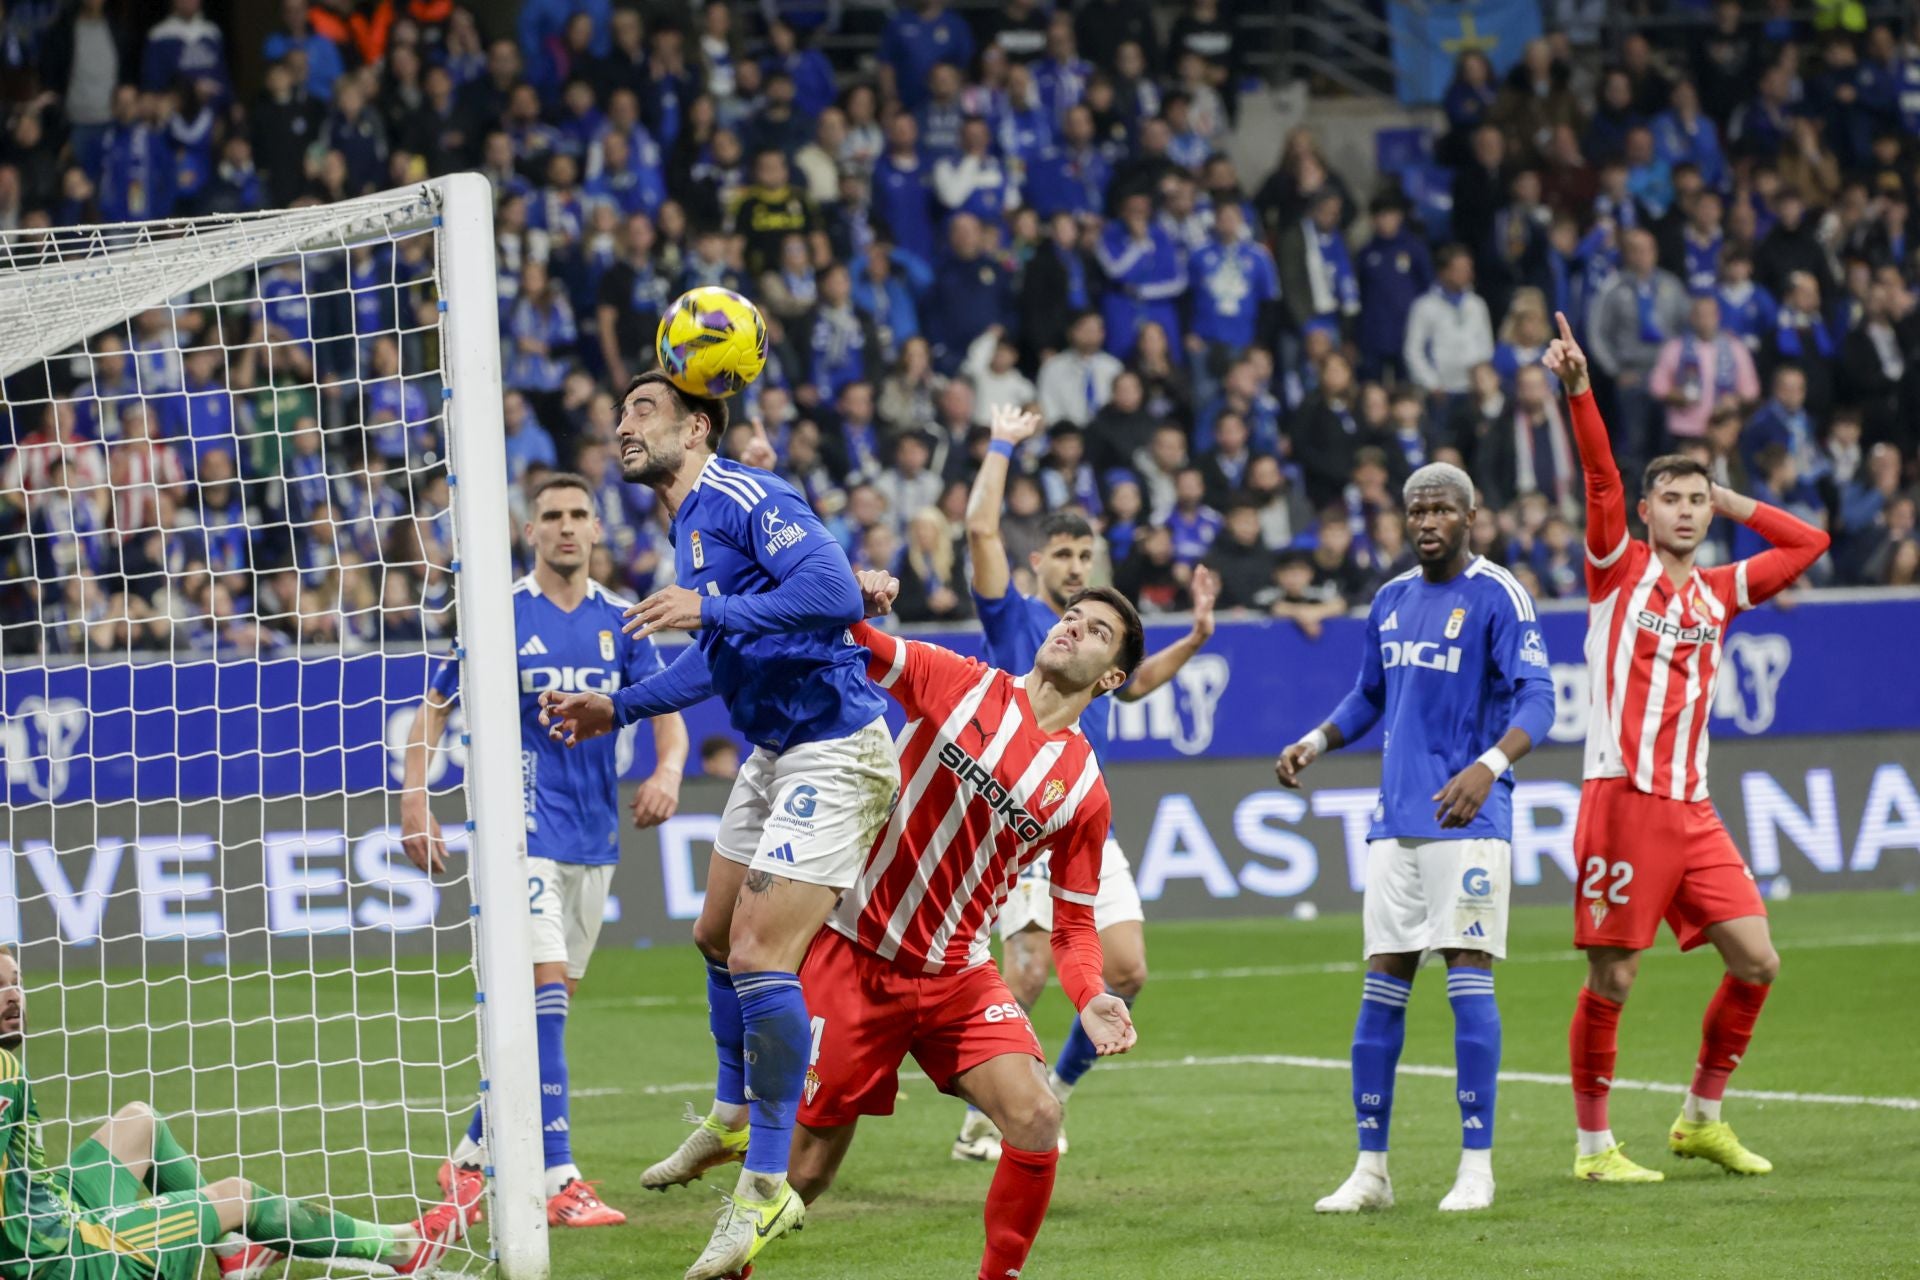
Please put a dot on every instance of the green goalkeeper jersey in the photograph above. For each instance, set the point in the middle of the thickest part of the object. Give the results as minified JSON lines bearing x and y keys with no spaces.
{"x":36,"y":1215}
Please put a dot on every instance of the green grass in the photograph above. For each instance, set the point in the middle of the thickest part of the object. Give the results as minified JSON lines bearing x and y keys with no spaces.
{"x":1202,"y":1169}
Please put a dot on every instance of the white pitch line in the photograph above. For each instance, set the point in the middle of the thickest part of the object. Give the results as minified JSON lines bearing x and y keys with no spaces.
{"x":1243,"y":972}
{"x":1410,"y":1069}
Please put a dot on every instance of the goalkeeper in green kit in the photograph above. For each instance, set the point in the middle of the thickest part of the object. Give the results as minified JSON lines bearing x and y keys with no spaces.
{"x":131,"y":1204}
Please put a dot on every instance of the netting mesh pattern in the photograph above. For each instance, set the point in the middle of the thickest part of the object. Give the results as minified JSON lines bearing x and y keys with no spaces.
{"x":227,"y":565}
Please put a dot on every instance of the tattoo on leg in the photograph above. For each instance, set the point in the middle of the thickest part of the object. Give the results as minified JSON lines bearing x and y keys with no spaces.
{"x":759,"y":881}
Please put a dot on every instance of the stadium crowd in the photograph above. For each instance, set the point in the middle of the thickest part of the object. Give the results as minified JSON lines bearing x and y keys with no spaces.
{"x":1018,"y":203}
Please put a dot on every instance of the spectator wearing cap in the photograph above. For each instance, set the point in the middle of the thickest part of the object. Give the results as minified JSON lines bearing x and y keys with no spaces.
{"x":974,"y":289}
{"x":1393,"y":269}
{"x":1146,"y":275}
{"x":1449,"y":330}
{"x":918,"y":37}
{"x":1699,"y":370}
{"x":1076,"y":382}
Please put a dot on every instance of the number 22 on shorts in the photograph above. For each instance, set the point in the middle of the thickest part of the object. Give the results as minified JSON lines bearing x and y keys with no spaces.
{"x":1598,"y":870}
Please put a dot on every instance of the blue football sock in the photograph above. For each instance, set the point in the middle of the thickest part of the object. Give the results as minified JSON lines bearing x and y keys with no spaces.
{"x":1378,"y":1035}
{"x":1078,"y":1055}
{"x":777,"y":1036}
{"x":550,"y":1034}
{"x":723,"y":1019}
{"x":1476,"y":1052}
{"x":477,"y":1127}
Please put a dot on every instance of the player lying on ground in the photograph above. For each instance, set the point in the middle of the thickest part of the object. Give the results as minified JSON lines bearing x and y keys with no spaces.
{"x":567,"y":629}
{"x":1455,"y":664}
{"x":995,"y":773}
{"x":771,"y":595}
{"x":1016,"y":625}
{"x":1649,"y":844}
{"x":130,"y":1203}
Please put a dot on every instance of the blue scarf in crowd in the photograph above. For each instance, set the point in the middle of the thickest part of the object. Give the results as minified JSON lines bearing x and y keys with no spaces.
{"x":1788,"y":337}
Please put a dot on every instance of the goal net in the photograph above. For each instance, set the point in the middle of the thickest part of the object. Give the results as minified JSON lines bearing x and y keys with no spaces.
{"x":251,"y":486}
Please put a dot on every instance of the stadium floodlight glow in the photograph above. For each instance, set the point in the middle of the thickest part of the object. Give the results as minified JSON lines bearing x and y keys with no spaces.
{"x":258,"y":483}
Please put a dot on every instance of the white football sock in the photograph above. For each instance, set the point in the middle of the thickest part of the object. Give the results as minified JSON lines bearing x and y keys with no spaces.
{"x":1374,"y":1162}
{"x":1061,"y":1089}
{"x":1701,"y":1110}
{"x":729,"y":1115}
{"x":469,"y":1153}
{"x":1476,"y":1160}
{"x":558,"y":1177}
{"x":1592,"y":1144}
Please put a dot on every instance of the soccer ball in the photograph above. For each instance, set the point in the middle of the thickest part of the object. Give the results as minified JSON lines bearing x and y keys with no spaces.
{"x":712,"y":342}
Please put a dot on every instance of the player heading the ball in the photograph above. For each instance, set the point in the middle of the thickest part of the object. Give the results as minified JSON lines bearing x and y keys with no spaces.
{"x":771,"y":596}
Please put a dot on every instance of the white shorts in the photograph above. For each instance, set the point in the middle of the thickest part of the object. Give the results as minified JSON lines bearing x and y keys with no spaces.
{"x":567,"y":901}
{"x":811,"y":812}
{"x":1030,"y":904}
{"x":1429,"y":894}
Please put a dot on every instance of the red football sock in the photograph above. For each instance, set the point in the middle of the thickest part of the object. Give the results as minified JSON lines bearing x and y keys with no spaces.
{"x":1592,"y":1044}
{"x":1725,"y":1033}
{"x":1016,"y":1206}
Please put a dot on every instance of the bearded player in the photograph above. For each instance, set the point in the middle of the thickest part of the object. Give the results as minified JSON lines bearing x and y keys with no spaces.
{"x":771,"y":596}
{"x":1648,"y":845}
{"x":995,"y":774}
{"x":1016,"y":625}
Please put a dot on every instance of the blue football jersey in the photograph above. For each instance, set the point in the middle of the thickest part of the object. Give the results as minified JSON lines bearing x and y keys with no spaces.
{"x":572,"y":793}
{"x":743,"y":532}
{"x":1016,"y":626}
{"x":1446,"y":665}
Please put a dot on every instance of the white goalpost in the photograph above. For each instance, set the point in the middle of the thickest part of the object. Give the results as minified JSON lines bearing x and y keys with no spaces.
{"x":253,"y":497}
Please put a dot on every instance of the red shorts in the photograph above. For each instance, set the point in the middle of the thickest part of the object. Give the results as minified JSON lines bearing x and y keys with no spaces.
{"x":869,"y":1014}
{"x":1645,"y":858}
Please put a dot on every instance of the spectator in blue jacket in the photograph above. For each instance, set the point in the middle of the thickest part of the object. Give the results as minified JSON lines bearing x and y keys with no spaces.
{"x":811,"y":73}
{"x":974,"y":289}
{"x":975,"y":181}
{"x":1146,"y":273}
{"x":542,"y":32}
{"x":1685,"y":135}
{"x":324,"y":63}
{"x":132,"y":163}
{"x":1394,"y":269}
{"x":918,"y":38}
{"x":1073,"y":176}
{"x":903,"y":190}
{"x":185,"y":45}
{"x":1235,"y":289}
{"x":885,"y":282}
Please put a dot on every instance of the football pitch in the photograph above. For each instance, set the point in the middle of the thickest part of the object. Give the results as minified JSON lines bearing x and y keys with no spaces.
{"x":1197,"y":1156}
{"x":1200,"y":1154}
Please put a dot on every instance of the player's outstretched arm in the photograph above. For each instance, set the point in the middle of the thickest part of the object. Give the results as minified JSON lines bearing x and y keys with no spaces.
{"x":1796,"y":545}
{"x":420,"y":834}
{"x":1158,"y":668}
{"x":1606,"y":495}
{"x":574,"y":718}
{"x":992,"y":575}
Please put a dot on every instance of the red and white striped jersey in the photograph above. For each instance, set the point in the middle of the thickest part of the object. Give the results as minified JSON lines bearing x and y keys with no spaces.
{"x":1653,"y":648}
{"x":983,"y":792}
